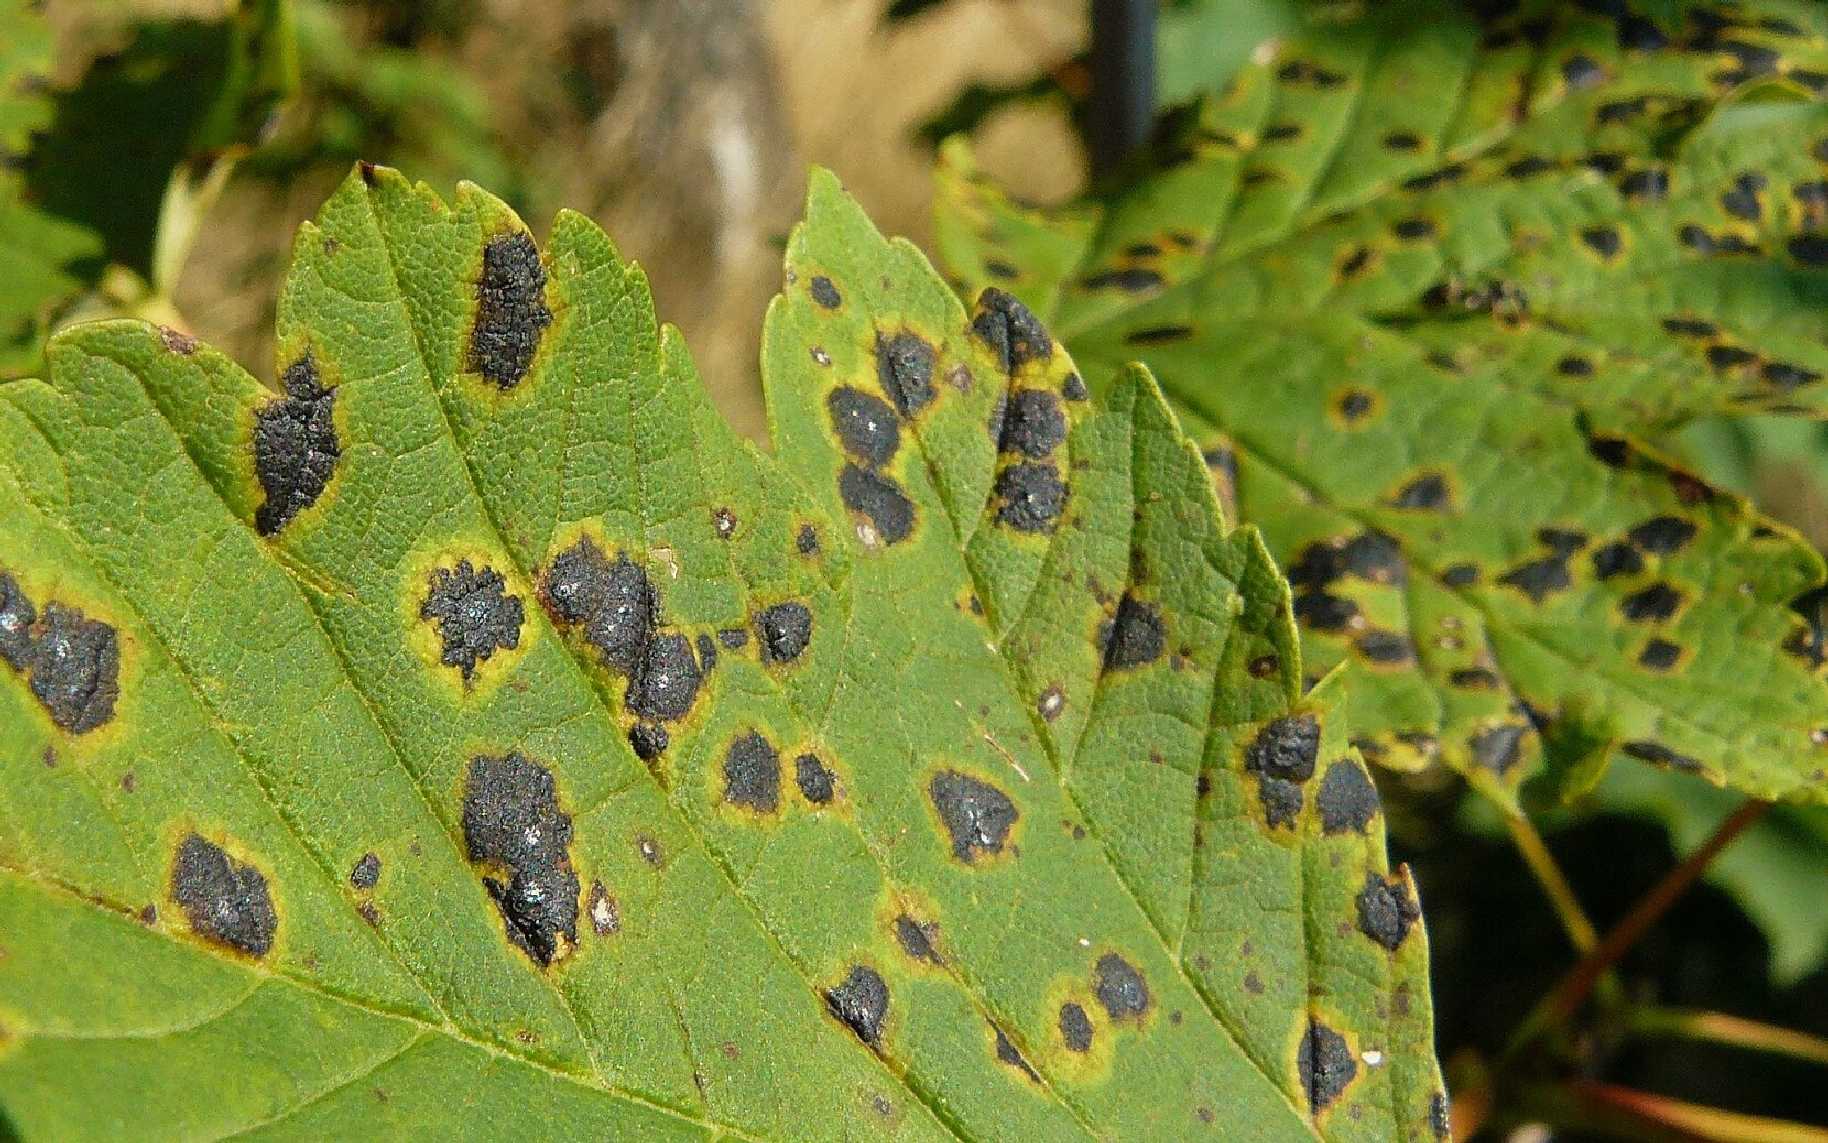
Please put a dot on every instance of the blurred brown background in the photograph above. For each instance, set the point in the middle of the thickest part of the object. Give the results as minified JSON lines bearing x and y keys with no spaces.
{"x":683,"y":126}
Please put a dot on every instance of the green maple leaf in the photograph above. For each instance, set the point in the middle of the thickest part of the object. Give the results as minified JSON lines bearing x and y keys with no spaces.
{"x":1433,"y":292}
{"x":476,"y":730}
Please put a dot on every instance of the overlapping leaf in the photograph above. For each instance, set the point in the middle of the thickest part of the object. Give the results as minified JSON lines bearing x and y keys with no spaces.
{"x":1430,"y":289}
{"x":478,"y":732}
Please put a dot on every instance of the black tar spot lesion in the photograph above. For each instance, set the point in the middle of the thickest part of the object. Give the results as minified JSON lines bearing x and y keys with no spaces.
{"x":867,"y":427}
{"x":1075,"y":1028}
{"x":512,"y":820}
{"x":1134,"y":637}
{"x":511,"y":313}
{"x":1282,"y":756}
{"x":295,"y":447}
{"x":618,"y":610}
{"x":1033,"y":424}
{"x":904,"y":367}
{"x":918,"y":939}
{"x":72,"y":662}
{"x":784,"y":631}
{"x":1010,"y":330}
{"x":1031,"y":496}
{"x":880,"y":500}
{"x":752,"y":773}
{"x":1007,"y":1053}
{"x":1386,"y":911}
{"x":224,"y":900}
{"x":1326,"y":1065}
{"x":475,"y":615}
{"x":367,"y":872}
{"x":861,"y":1003}
{"x":977,"y":815}
{"x":1120,"y":988}
{"x":815,"y":779}
{"x":1347,"y":800}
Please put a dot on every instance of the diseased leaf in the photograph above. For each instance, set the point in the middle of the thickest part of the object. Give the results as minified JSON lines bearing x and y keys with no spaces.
{"x":477,"y":729}
{"x":1432,"y":292}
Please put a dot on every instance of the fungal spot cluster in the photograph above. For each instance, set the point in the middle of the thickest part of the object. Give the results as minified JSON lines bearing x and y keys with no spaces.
{"x":1028,"y":425}
{"x":978,"y":817}
{"x":1372,"y":557}
{"x":1282,"y":757}
{"x":512,"y":824}
{"x":511,"y":313}
{"x":616,"y":608}
{"x":72,"y":663}
{"x":295,"y":447}
{"x":475,"y":615}
{"x":225,"y":901}
{"x":869,"y":431}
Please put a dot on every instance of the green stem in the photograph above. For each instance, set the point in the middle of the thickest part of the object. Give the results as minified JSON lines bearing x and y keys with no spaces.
{"x":1541,"y":863}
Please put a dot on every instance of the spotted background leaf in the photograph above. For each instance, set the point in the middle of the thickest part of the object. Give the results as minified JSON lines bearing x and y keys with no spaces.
{"x":471,"y":727}
{"x":1432,"y":295}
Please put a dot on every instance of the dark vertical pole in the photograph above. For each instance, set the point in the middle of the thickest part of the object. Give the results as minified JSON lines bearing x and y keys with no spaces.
{"x":1123,"y":79}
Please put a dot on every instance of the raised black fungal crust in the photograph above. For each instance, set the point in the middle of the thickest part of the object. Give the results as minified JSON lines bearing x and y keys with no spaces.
{"x":707,"y":653}
{"x":665,"y":682}
{"x":512,"y":820}
{"x":475,"y":615}
{"x":806,"y":540}
{"x":1438,"y":1120}
{"x":649,"y":740}
{"x":1134,"y":636}
{"x":1386,"y":911}
{"x":295,"y":447}
{"x":734,"y":638}
{"x":1033,"y":424}
{"x":861,"y":1003}
{"x":1285,"y":748}
{"x":1347,"y":800}
{"x":1659,"y":655}
{"x":867,"y":427}
{"x":367,"y":872}
{"x":1325,"y":1064}
{"x":752,"y":774}
{"x":1010,"y":329}
{"x":1074,"y":388}
{"x":814,"y":779}
{"x":17,"y":617}
{"x":890,"y":512}
{"x":614,"y":601}
{"x":784,"y":630}
{"x":977,"y":815}
{"x":511,"y":313}
{"x":75,"y":668}
{"x":917,"y":938}
{"x":904,"y":367}
{"x":1075,"y":1028}
{"x":224,"y":900}
{"x":1120,"y":988}
{"x":619,"y":609}
{"x":1031,"y":496}
{"x":1007,"y":1053}
{"x":1282,"y":757}
{"x":824,"y":292}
